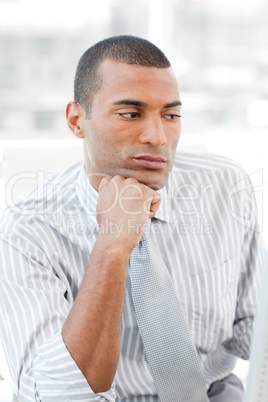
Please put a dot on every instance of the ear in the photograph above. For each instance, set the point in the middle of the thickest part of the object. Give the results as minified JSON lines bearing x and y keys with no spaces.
{"x":75,"y":116}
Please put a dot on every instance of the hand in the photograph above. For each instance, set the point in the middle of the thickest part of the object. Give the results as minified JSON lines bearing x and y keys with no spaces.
{"x":124,"y":206}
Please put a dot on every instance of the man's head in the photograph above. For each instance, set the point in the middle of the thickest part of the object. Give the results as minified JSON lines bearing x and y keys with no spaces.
{"x":127,"y":110}
{"x":123,"y":49}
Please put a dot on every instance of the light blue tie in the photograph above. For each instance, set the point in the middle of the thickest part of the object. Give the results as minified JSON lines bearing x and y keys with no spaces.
{"x":169,"y":349}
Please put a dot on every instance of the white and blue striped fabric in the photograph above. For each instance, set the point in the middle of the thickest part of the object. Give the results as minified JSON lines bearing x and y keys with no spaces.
{"x":207,"y":233}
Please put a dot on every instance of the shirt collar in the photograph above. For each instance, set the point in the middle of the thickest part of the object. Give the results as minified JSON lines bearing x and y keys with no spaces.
{"x":164,"y":212}
{"x":86,"y":193}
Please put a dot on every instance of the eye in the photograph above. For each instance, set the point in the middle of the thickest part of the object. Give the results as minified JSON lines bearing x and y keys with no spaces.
{"x":172,"y":116}
{"x":130,"y":115}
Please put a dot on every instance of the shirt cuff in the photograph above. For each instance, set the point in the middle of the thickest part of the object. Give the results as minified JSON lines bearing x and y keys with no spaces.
{"x":58,"y":378}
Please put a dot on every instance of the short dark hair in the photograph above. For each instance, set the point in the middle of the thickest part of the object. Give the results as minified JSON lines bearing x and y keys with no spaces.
{"x":124,"y":49}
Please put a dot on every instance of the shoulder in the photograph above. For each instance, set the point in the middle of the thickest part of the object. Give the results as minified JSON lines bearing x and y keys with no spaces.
{"x":42,"y":203}
{"x":205,"y":166}
{"x":204,"y":162}
{"x":196,"y":172}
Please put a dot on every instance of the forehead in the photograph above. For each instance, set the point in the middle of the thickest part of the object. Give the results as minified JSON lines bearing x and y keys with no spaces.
{"x":121,"y":80}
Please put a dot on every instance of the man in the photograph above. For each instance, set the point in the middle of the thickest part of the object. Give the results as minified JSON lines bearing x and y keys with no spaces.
{"x":70,"y":321}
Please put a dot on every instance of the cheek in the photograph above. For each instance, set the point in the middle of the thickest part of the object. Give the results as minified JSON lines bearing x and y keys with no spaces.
{"x":173,"y":141}
{"x":109,"y":143}
{"x":103,"y":151}
{"x":96,"y":139}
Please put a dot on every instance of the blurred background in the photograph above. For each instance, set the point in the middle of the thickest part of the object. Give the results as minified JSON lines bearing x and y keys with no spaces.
{"x":219,"y":51}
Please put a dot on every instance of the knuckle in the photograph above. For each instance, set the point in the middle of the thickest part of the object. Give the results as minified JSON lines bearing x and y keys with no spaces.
{"x":118,"y":177}
{"x":105,"y":179}
{"x":103,"y":183}
{"x":131,"y":180}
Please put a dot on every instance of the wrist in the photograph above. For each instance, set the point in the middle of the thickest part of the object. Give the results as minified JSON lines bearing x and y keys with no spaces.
{"x":115,"y":245}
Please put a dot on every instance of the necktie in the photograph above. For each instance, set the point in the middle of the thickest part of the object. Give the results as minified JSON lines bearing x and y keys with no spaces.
{"x":169,"y":350}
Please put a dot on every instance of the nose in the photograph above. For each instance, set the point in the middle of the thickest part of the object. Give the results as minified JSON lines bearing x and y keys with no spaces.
{"x":153,"y":132}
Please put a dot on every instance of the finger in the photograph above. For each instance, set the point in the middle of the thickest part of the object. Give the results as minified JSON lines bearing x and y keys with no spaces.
{"x":118,"y":178}
{"x":156,"y":199}
{"x":104,"y":183}
{"x":107,"y":179}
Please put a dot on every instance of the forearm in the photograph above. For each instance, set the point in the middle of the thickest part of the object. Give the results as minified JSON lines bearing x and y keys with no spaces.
{"x":92,"y":330}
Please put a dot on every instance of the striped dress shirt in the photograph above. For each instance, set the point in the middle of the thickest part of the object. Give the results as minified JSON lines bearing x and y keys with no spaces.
{"x":207,"y":232}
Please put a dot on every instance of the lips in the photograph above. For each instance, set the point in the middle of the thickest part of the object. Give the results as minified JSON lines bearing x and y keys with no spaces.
{"x":151,"y":162}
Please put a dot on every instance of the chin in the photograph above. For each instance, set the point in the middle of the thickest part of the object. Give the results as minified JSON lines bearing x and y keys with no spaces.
{"x":155,"y":185}
{"x":156,"y":182}
{"x":151,"y":179}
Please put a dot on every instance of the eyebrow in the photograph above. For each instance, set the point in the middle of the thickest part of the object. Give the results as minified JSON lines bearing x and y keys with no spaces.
{"x":132,"y":102}
{"x":172,"y":104}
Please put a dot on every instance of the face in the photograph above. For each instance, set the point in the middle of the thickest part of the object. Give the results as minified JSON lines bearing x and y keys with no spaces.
{"x":134,"y":126}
